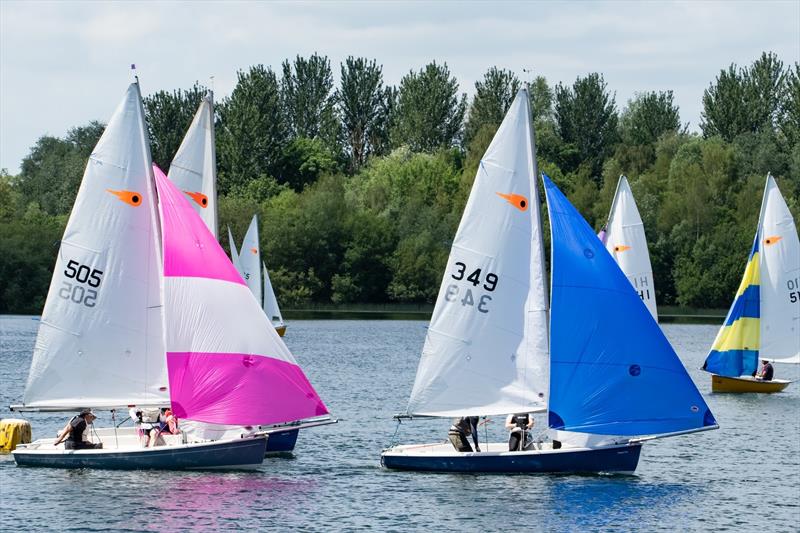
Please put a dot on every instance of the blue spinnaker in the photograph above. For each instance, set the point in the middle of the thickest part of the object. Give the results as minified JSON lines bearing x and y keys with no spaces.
{"x":612,"y":370}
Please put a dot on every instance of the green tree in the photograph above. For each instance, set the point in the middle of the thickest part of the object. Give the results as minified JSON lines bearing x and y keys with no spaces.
{"x":586,"y":116}
{"x":790,"y":116}
{"x":169,"y":115}
{"x":308,"y":99}
{"x":429,"y":112}
{"x":304,"y":160}
{"x":493,"y":96}
{"x":745,"y":100}
{"x":252,"y":132}
{"x":362,"y":105}
{"x":52,"y":172}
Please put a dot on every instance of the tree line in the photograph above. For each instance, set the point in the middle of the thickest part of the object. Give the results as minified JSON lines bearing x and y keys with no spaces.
{"x":359,"y":186}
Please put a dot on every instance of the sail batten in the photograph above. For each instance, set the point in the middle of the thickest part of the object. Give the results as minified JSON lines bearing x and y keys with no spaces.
{"x":485,"y":351}
{"x":612,"y":370}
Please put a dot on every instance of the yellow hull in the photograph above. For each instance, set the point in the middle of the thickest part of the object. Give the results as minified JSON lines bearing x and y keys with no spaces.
{"x":281,"y":330}
{"x":746,"y":384}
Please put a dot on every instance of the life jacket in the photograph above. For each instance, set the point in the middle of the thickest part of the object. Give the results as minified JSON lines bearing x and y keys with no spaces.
{"x":77,"y":427}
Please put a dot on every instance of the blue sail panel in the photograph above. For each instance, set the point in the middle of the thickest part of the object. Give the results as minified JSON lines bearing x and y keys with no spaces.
{"x":735,"y":349}
{"x":612,"y":370}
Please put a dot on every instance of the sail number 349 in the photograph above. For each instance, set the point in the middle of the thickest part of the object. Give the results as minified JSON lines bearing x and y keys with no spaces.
{"x":83,"y":275}
{"x":488,"y":283}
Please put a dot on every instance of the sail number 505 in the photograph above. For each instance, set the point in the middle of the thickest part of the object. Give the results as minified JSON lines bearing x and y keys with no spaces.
{"x":83,"y":275}
{"x":489,"y":284}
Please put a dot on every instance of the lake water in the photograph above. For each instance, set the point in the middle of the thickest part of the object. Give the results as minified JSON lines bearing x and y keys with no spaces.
{"x":743,"y":477}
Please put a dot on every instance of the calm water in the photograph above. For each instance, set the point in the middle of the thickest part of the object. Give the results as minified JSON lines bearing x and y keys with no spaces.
{"x":722,"y":480}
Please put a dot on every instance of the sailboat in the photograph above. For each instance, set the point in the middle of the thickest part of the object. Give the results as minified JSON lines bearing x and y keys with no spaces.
{"x":248,"y":261}
{"x":194,"y":167}
{"x":625,"y":240}
{"x":594,"y":359}
{"x":764,"y":319}
{"x":146,"y":310}
{"x":270,"y":305}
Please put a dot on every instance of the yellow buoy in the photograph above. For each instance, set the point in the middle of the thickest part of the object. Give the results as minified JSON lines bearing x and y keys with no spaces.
{"x":14,"y":431}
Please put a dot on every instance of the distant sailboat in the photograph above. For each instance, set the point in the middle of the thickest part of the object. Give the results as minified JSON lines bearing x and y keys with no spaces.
{"x":108,"y":340}
{"x":270,"y":306}
{"x":625,"y":240}
{"x":764,"y":319}
{"x":604,"y":369}
{"x":248,"y":262}
{"x":194,"y":167}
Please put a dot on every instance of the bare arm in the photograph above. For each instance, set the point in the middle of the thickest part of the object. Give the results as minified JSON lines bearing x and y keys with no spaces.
{"x":64,"y":434}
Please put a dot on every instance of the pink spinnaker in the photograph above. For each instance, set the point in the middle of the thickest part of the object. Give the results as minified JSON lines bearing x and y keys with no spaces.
{"x":226,"y":363}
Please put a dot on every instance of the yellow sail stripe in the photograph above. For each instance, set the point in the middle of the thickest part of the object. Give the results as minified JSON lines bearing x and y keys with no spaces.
{"x":751,"y":275}
{"x":744,"y":334}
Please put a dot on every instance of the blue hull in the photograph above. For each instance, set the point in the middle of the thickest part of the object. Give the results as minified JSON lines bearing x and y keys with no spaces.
{"x":239,"y":454}
{"x":618,"y":459}
{"x":282,"y":441}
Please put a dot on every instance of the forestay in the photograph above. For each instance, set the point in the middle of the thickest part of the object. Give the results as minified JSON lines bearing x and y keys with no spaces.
{"x":625,"y":240}
{"x":100,"y":338}
{"x":194,"y":167}
{"x":226,"y":363}
{"x":612,"y":370}
{"x":486,"y":348}
{"x":270,"y":301}
{"x":780,"y":279}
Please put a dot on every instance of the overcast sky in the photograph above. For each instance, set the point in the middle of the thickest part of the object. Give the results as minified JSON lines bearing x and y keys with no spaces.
{"x":63,"y":64}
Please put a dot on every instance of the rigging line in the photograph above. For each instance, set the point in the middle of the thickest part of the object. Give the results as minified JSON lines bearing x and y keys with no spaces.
{"x":393,"y":441}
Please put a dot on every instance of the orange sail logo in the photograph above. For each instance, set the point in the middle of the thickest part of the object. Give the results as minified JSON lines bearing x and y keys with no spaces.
{"x":517,"y":200}
{"x":200,"y":198}
{"x":621,"y":248}
{"x":254,"y":250}
{"x":132,"y":198}
{"x":772,"y":240}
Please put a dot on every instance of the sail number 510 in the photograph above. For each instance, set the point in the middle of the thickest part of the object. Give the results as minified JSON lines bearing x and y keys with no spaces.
{"x":489,"y":284}
{"x":83,"y":275}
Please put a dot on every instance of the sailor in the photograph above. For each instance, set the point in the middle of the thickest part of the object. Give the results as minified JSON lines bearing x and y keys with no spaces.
{"x":766,"y":371}
{"x":73,"y":432}
{"x":519,"y":425}
{"x":461,"y":428}
{"x":167,"y":424}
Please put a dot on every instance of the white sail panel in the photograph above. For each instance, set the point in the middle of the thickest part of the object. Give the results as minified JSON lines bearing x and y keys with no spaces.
{"x":270,"y":301}
{"x":780,"y":279}
{"x":100,"y":341}
{"x":486,"y":349}
{"x":194,"y":167}
{"x":626,"y":242}
{"x":234,"y":252}
{"x":250,"y":260}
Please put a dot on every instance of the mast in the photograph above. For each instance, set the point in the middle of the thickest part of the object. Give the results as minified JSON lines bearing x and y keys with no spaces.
{"x":213,"y":154}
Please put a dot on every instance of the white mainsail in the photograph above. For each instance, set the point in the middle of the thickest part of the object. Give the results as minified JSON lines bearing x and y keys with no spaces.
{"x":270,"y":301}
{"x":626,"y":242}
{"x":234,"y":252}
{"x":780,"y":279}
{"x":486,"y":351}
{"x":100,"y":341}
{"x":249,"y":260}
{"x":194,"y":167}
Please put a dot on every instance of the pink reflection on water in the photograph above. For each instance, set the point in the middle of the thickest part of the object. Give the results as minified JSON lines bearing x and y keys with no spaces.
{"x":222,"y":500}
